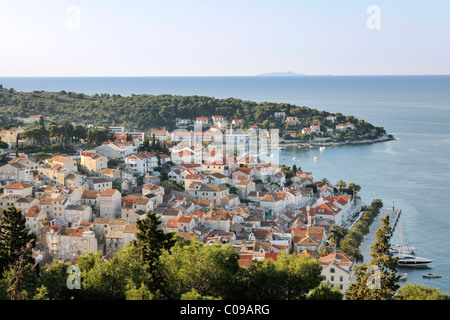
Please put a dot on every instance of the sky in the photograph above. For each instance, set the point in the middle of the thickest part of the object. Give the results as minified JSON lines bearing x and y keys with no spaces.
{"x":223,"y":38}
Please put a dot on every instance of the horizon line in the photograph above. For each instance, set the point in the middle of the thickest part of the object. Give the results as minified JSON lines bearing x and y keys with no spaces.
{"x":266,"y":75}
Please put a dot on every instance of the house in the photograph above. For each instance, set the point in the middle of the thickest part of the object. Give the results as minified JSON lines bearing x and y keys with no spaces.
{"x":244,"y":187}
{"x":92,"y":161}
{"x":328,"y":211}
{"x":56,"y":174}
{"x":19,"y":189}
{"x":217,"y":167}
{"x":306,"y":130}
{"x":217,"y":178}
{"x":10,"y":136}
{"x":68,"y":243}
{"x":23,"y":203}
{"x":344,"y":126}
{"x":33,"y":218}
{"x":279,"y":178}
{"x":195,"y":177}
{"x":326,"y":191}
{"x":209,"y":192}
{"x":229,"y":201}
{"x":186,"y":223}
{"x":98,"y":183}
{"x":222,"y":124}
{"x":166,"y":214}
{"x":116,"y":150}
{"x":179,"y":122}
{"x":27,"y":161}
{"x":141,"y":163}
{"x":309,"y":238}
{"x":331,"y":118}
{"x":291,"y":120}
{"x":10,"y":173}
{"x":58,"y":160}
{"x":161,"y":135}
{"x":272,"y":203}
{"x":279,"y":114}
{"x":237,"y":122}
{"x":219,"y":220}
{"x":151,"y":188}
{"x":217,"y":119}
{"x":242,"y":173}
{"x":311,"y":129}
{"x":337,"y":269}
{"x":201,"y":121}
{"x":111,"y":174}
{"x":75,"y":214}
{"x":186,"y":155}
{"x":115,"y":239}
{"x":90,"y":198}
{"x":109,"y":203}
{"x":32,"y":118}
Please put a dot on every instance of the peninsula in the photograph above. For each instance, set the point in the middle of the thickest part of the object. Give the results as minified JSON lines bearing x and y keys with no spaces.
{"x":295,"y":124}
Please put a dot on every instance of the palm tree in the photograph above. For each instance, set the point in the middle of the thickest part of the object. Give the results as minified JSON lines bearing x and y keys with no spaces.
{"x":341,"y":184}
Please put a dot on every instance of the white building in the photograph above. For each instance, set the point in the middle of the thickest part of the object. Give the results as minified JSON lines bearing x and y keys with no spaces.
{"x":141,"y":163}
{"x":117,"y":150}
{"x":337,"y":269}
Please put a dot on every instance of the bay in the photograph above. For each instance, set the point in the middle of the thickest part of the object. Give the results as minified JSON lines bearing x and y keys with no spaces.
{"x":411,"y":172}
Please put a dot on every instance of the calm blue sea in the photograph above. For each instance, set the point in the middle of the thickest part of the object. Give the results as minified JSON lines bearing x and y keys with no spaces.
{"x":412,"y":171}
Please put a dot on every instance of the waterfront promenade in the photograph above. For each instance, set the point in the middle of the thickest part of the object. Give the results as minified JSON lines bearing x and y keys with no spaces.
{"x":369,"y":238}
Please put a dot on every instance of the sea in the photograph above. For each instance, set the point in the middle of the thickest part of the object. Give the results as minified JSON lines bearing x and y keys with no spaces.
{"x":411,"y":173}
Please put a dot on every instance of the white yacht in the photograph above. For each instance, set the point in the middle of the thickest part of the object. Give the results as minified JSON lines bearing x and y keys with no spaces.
{"x":407,"y":260}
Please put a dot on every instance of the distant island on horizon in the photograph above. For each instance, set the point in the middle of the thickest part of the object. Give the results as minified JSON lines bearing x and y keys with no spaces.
{"x":281,"y":74}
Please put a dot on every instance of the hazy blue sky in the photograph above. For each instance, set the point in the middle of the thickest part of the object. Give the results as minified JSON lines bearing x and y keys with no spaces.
{"x":222,"y":38}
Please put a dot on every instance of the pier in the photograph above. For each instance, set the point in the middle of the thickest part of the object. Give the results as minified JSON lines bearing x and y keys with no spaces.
{"x":369,"y":239}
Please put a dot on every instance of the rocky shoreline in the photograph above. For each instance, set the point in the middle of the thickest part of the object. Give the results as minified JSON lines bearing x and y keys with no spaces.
{"x":384,"y":138}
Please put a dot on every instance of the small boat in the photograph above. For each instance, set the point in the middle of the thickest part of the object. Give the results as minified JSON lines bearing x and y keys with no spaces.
{"x":407,"y":260}
{"x":315,"y":158}
{"x":403,"y":276}
{"x":431,"y":275}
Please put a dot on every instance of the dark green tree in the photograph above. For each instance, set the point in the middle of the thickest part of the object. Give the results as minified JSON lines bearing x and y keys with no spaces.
{"x":210,"y":270}
{"x":420,"y":292}
{"x":325,"y":292}
{"x":152,"y":240}
{"x":378,"y":279}
{"x":288,"y":278}
{"x":15,"y":240}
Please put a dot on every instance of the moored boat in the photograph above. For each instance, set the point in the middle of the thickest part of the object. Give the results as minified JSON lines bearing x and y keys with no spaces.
{"x":431,"y":275}
{"x":412,"y":261}
{"x":403,"y":276}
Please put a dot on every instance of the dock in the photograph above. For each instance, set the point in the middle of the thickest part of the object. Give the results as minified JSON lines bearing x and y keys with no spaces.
{"x":369,"y":239}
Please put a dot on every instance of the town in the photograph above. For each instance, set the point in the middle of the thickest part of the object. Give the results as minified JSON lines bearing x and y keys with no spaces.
{"x":223,"y":184}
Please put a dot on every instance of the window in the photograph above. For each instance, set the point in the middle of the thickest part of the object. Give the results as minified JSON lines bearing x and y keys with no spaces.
{"x":341,"y":279}
{"x":332,"y":270}
{"x":332,"y":278}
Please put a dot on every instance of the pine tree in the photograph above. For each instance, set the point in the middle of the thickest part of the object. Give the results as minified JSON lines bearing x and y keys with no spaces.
{"x":378,"y":279}
{"x":152,"y":240}
{"x":15,"y":240}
